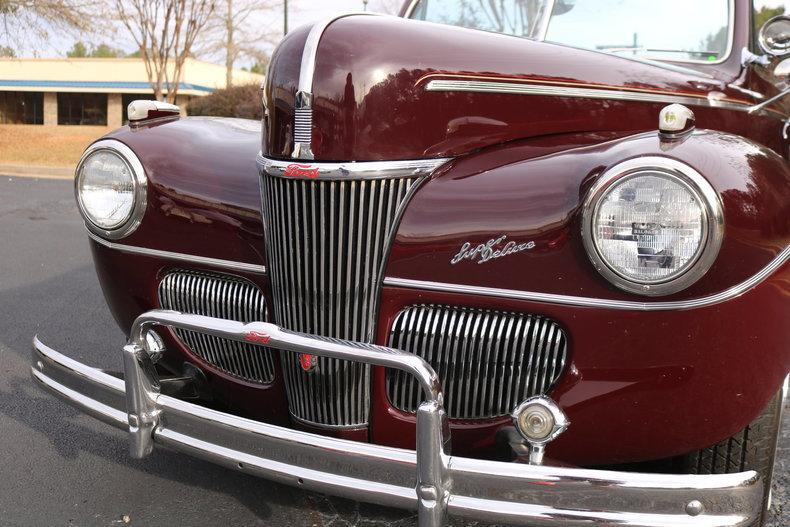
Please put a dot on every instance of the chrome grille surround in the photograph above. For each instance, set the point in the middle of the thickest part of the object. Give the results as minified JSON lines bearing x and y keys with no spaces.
{"x":221,"y":296}
{"x":488,"y":361}
{"x":326,"y":243}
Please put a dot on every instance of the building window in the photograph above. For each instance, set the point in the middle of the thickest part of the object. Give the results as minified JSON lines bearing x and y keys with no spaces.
{"x":18,"y":107}
{"x":82,"y":108}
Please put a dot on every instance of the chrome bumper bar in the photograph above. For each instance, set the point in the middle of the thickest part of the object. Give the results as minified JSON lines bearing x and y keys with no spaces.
{"x":429,"y":480}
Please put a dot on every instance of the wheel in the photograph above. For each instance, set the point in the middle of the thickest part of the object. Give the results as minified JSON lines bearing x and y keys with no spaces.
{"x":753,"y":448}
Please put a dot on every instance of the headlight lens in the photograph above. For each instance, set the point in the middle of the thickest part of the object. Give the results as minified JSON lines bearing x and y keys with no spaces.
{"x":110,"y":189}
{"x":649,"y":228}
{"x":646,"y":227}
{"x":106,"y":189}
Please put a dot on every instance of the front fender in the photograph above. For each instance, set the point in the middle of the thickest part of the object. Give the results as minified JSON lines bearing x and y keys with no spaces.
{"x":671,"y":374}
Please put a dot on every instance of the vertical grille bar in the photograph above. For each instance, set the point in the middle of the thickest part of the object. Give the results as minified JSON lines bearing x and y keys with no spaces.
{"x":326,"y":241}
{"x":488,"y":361}
{"x":220,"y":296}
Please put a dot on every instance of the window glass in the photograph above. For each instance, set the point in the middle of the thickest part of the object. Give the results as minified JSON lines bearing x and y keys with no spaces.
{"x":82,"y":108}
{"x":670,"y":29}
{"x":21,"y":107}
{"x":680,"y":30}
{"x":521,"y":18}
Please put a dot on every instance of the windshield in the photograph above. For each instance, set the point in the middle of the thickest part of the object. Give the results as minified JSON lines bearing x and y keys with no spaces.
{"x":678,"y":30}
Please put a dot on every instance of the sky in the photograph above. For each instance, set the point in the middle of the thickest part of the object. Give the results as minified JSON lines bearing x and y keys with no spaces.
{"x":300,"y":12}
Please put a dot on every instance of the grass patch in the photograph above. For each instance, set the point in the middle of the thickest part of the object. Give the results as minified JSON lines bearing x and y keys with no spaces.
{"x":51,"y":146}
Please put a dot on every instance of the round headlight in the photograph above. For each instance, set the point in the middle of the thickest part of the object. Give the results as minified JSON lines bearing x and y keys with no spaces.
{"x":110,"y":189}
{"x":652,"y":225}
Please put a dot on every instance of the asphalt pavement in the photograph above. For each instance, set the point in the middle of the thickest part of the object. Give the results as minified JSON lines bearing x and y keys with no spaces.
{"x":61,"y":468}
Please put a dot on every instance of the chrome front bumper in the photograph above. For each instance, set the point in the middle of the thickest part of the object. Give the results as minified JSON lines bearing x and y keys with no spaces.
{"x":429,"y":480}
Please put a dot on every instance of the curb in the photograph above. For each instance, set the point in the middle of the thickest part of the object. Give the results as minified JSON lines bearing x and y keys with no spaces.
{"x":37,"y":171}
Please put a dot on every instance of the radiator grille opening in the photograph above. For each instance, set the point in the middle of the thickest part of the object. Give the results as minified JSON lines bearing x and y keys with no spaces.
{"x":488,"y":361}
{"x":326,"y":240}
{"x":226,"y":297}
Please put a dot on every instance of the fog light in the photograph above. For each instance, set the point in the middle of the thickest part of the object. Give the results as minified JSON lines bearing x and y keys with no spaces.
{"x":536,"y":423}
{"x":540,"y":421}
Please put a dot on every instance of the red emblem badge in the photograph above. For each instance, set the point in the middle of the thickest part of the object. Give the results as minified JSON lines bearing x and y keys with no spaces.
{"x":257,"y":337}
{"x":297,"y":170}
{"x":308,"y":362}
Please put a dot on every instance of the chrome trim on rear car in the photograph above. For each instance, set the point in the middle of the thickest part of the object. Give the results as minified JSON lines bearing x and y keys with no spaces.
{"x":604,"y":303}
{"x":180,"y":257}
{"x":429,"y":479}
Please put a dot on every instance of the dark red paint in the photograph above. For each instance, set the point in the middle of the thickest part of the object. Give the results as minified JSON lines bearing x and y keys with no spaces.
{"x":638,"y":385}
{"x":374,"y":105}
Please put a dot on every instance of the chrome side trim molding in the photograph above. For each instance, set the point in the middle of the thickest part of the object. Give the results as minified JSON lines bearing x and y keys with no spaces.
{"x":180,"y":257}
{"x":350,"y":170}
{"x":552,"y":90}
{"x":581,"y":301}
{"x":303,"y":115}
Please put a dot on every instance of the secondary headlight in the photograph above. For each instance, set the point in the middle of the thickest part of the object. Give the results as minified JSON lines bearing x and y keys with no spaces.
{"x":110,"y":189}
{"x":652,"y":225}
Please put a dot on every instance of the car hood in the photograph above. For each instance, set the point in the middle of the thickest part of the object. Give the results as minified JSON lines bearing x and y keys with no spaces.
{"x":388,"y":88}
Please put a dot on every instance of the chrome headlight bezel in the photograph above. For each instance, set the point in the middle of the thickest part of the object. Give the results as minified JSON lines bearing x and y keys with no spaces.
{"x":696,"y":184}
{"x":139,"y":182}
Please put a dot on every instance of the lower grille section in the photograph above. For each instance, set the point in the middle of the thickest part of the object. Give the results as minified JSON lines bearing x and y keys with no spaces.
{"x":220,"y":296}
{"x":326,"y":240}
{"x":488,"y":361}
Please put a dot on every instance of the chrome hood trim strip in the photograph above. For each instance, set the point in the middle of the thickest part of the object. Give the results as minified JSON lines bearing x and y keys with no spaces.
{"x":351,"y":170}
{"x":552,"y":90}
{"x":180,"y":257}
{"x":561,"y":90}
{"x":303,"y":119}
{"x":604,"y":303}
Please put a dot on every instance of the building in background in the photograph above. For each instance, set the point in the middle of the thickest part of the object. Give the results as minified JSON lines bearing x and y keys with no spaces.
{"x":93,"y":91}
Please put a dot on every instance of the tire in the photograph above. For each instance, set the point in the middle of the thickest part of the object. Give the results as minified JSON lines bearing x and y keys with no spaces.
{"x":753,"y":448}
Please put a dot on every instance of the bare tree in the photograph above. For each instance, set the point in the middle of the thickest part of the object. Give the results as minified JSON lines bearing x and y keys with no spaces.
{"x":241,"y":29}
{"x":165,"y":33}
{"x":31,"y":21}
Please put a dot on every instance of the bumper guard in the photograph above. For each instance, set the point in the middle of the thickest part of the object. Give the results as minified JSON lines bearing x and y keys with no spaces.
{"x":429,"y":480}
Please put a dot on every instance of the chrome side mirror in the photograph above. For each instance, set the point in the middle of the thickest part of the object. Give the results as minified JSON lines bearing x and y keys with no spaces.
{"x":774,"y":36}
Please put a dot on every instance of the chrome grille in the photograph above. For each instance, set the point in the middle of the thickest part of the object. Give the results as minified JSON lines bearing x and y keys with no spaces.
{"x":488,"y":361}
{"x":303,"y":125}
{"x":326,"y":240}
{"x":220,"y":296}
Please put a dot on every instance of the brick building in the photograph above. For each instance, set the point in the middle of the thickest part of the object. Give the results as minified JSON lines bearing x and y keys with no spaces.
{"x":93,"y":91}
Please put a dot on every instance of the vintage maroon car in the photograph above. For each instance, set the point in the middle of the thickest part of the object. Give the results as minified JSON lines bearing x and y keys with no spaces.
{"x":558,"y":234}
